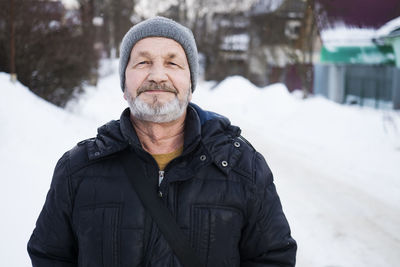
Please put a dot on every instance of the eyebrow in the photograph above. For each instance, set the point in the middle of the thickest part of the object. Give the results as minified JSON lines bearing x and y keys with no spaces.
{"x":147,"y":54}
{"x":144,"y":54}
{"x":171,"y":56}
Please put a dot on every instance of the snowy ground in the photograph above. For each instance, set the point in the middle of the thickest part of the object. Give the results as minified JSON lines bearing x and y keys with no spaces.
{"x":336,"y":167}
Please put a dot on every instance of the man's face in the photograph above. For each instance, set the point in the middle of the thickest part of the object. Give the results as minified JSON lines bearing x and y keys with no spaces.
{"x":157,"y":78}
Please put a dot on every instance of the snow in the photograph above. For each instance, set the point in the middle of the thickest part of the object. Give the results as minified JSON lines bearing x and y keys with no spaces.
{"x":98,"y":21}
{"x":35,"y":134}
{"x":71,"y":4}
{"x":342,"y":35}
{"x":336,"y":167}
{"x":389,"y":27}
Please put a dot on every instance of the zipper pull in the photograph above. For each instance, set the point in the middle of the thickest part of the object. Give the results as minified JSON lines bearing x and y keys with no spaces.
{"x":160,"y":177}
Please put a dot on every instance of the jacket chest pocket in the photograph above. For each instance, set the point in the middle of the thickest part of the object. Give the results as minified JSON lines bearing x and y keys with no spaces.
{"x":215,"y":234}
{"x":98,"y":235}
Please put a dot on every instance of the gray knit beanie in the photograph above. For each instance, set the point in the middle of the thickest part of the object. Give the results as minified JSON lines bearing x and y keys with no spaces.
{"x":160,"y":27}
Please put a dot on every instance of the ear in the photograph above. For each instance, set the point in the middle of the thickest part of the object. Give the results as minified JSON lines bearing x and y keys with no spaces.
{"x":125,"y":92}
{"x":190,"y":94}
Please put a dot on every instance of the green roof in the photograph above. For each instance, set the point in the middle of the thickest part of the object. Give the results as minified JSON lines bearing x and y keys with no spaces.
{"x":359,"y":54}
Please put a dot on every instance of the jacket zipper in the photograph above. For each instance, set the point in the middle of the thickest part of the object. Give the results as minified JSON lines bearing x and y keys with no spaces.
{"x":160,"y":177}
{"x":154,"y":229}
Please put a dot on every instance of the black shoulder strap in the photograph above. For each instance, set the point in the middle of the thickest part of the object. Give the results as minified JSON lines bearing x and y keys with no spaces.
{"x":158,"y":211}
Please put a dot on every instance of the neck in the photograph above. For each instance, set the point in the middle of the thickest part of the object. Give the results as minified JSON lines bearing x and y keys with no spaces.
{"x":160,"y":138}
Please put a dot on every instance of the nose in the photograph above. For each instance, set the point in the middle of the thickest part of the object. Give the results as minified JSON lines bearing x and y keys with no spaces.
{"x":157,"y":73}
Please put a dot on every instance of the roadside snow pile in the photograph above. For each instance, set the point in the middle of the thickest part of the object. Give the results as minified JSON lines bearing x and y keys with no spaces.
{"x":243,"y":101}
{"x":34,"y":135}
{"x":362,"y":142}
{"x":34,"y":129}
{"x":102,"y":103}
{"x":35,"y":132}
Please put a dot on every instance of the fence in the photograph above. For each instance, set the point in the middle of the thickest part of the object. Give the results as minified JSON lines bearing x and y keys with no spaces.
{"x":370,"y":85}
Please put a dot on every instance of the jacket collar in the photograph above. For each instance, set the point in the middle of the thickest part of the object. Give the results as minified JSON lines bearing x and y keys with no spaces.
{"x":117,"y":135}
{"x":209,"y":129}
{"x":218,"y":138}
{"x":192,"y":129}
{"x":109,"y":140}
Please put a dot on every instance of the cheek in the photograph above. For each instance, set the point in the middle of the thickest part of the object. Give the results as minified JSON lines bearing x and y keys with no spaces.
{"x":182,"y":80}
{"x":133,"y":79}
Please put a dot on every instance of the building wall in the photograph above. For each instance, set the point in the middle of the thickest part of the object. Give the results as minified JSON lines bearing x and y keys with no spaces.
{"x":373,"y":85}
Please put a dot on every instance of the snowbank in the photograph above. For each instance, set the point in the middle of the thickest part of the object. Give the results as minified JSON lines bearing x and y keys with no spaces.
{"x":336,"y":167}
{"x":34,"y":135}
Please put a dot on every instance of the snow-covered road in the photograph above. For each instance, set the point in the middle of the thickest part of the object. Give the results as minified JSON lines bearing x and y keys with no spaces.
{"x":334,"y":223}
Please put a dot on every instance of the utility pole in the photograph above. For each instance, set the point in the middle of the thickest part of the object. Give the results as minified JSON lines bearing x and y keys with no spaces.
{"x":12,"y":42}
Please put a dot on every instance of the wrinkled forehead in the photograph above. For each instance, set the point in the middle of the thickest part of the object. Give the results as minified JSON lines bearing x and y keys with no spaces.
{"x":158,"y":46}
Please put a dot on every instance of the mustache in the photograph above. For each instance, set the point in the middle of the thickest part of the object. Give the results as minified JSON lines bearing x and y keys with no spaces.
{"x":158,"y":87}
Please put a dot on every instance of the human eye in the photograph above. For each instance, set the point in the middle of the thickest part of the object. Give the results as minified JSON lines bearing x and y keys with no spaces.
{"x":173,"y":64}
{"x":142,"y":63}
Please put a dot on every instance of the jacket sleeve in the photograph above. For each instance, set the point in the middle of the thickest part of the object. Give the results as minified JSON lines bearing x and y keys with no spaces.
{"x":52,"y":242}
{"x":266,"y":238}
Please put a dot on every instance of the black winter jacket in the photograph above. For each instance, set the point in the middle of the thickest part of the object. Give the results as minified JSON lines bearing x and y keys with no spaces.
{"x":220,"y":190}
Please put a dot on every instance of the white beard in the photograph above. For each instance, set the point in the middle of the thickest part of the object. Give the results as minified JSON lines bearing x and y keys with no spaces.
{"x":157,"y":112}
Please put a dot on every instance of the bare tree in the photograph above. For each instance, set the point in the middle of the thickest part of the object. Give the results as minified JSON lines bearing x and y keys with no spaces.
{"x":116,"y":16}
{"x":183,"y":9}
{"x":212,"y":23}
{"x":53,"y":58}
{"x":301,"y":49}
{"x":12,"y":42}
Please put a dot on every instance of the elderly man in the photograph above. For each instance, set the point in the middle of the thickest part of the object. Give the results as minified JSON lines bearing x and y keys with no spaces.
{"x":168,"y":184}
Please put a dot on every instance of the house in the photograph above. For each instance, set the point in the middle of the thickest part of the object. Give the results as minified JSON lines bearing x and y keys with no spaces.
{"x":263,"y":43}
{"x":227,"y":49}
{"x":284,"y":43}
{"x":389,"y":34}
{"x":360,"y":66}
